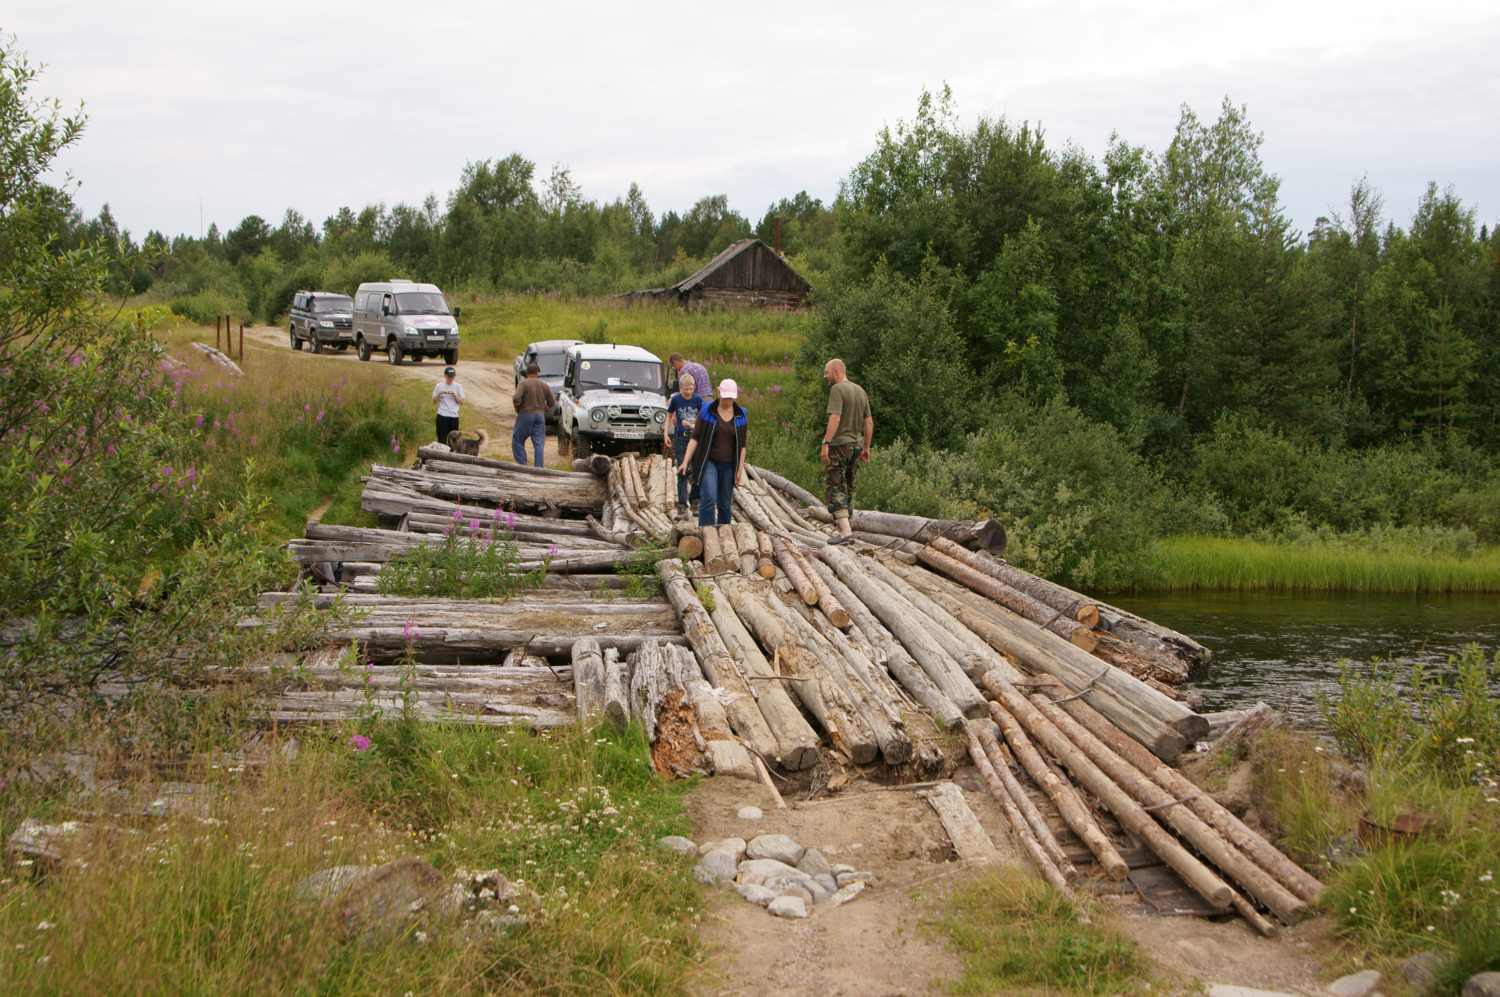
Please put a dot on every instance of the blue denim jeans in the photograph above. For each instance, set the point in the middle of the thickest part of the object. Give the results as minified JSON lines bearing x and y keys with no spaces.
{"x":534,"y":426}
{"x":686,"y":489}
{"x":717,"y":492}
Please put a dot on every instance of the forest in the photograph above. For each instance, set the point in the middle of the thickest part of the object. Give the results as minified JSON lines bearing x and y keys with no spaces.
{"x":1118,"y":348}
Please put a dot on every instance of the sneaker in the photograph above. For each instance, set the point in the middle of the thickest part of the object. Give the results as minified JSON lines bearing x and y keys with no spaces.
{"x":681,"y":510}
{"x":843,"y":540}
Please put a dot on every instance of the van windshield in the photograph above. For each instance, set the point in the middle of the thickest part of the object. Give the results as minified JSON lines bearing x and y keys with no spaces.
{"x":614,"y":375}
{"x":332,"y":303}
{"x":421,"y":303}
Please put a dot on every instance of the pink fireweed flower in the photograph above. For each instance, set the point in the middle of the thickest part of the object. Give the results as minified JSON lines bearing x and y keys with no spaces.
{"x":320,"y":416}
{"x":510,"y":521}
{"x":410,"y":629}
{"x":458,"y":512}
{"x":473,"y":524}
{"x":552,"y":550}
{"x":359,"y":743}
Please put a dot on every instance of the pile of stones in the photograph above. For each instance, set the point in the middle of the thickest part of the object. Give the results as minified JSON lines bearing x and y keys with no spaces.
{"x":774,"y":872}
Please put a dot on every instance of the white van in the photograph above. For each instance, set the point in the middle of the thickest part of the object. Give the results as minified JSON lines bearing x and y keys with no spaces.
{"x":403,"y":319}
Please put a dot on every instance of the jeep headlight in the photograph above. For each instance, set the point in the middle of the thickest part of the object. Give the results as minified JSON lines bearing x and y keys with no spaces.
{"x":597,"y":415}
{"x":323,"y":323}
{"x":660,"y":416}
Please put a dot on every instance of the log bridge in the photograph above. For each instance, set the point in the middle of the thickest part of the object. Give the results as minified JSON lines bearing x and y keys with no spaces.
{"x":759,"y":644}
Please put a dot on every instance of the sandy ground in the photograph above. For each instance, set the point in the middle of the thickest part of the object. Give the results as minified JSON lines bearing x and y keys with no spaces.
{"x":874,"y":947}
{"x":487,"y":388}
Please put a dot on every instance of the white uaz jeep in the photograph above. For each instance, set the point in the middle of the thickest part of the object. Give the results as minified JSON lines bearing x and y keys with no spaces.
{"x":613,"y":399}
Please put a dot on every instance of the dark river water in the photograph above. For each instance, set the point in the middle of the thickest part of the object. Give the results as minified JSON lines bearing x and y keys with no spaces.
{"x":1283,"y":648}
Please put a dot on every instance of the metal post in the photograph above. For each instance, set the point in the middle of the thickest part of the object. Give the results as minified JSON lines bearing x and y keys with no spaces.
{"x":242,"y":342}
{"x":217,"y":321}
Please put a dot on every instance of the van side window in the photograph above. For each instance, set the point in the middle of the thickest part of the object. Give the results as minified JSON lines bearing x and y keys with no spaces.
{"x":385,"y":304}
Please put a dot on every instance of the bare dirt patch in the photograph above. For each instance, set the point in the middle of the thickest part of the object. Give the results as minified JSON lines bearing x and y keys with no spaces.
{"x":874,"y":946}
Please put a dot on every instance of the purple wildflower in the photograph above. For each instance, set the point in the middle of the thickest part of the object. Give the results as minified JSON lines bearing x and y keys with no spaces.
{"x":410,"y":629}
{"x":359,"y":743}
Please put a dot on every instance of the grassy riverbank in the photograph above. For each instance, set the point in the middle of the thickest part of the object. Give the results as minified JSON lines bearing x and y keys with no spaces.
{"x":1235,"y":564}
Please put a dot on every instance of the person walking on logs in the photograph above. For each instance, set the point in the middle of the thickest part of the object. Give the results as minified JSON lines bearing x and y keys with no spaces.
{"x":532,"y":400}
{"x":846,"y":444}
{"x":715,"y":455}
{"x":703,"y":388}
{"x":449,"y":395}
{"x":682,"y":416}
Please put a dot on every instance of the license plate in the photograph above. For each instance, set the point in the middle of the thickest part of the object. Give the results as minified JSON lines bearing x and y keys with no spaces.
{"x":435,"y":335}
{"x":630,"y":434}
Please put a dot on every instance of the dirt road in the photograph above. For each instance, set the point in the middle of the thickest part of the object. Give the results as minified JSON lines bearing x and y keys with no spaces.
{"x":487,"y":388}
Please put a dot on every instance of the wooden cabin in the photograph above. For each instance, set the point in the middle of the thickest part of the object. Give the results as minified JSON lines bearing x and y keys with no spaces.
{"x":749,"y":272}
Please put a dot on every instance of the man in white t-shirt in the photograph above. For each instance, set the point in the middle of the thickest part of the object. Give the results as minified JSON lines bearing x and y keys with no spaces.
{"x":449,"y":395}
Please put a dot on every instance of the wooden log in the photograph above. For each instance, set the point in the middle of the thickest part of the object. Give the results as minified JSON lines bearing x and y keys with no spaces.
{"x":729,"y":756}
{"x":616,"y":702}
{"x":766,"y":560}
{"x":1044,"y":864}
{"x":876,"y":704}
{"x":1130,"y":814}
{"x":1256,"y":721}
{"x":909,"y":627}
{"x":744,"y":539}
{"x":729,"y":548}
{"x":621,"y":538}
{"x":797,"y":742}
{"x":815,"y":507}
{"x":1062,"y":795}
{"x":1083,"y":611}
{"x":901,"y":664}
{"x":651,"y":677}
{"x":970,"y":842}
{"x":713,"y":656}
{"x":1144,"y":663}
{"x":1015,"y":600}
{"x":756,"y":606}
{"x":1033,"y":818}
{"x":827,"y":601}
{"x":987,"y":534}
{"x":690,"y":548}
{"x":588,"y":679}
{"x":431,"y":453}
{"x":713,"y":556}
{"x":793,"y":568}
{"x":1129,"y":703}
{"x":1164,"y":807}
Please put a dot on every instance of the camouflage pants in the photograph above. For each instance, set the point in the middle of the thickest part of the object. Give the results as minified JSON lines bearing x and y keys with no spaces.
{"x":843,"y":465}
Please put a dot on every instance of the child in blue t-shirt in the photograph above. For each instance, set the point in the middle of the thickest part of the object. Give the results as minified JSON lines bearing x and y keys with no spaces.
{"x":682,"y":416}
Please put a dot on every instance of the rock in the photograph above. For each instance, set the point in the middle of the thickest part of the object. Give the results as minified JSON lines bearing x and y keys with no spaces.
{"x":1422,"y":968}
{"x":790,"y":907}
{"x":775,"y":846}
{"x":750,"y":813}
{"x":385,"y":901}
{"x":845,"y":878}
{"x":750,"y":879}
{"x":680,"y":845}
{"x":733,"y":847}
{"x":820,"y":894}
{"x":328,"y":884}
{"x":847,"y":893}
{"x":769,"y":869}
{"x":836,"y":870}
{"x":715,"y":868}
{"x":814,"y":864}
{"x":1355,"y":984}
{"x":827,"y":882}
{"x":1483,"y":985}
{"x":799,"y":892}
{"x":932,"y":851}
{"x":43,"y":840}
{"x":757,"y":894}
{"x":1224,"y":990}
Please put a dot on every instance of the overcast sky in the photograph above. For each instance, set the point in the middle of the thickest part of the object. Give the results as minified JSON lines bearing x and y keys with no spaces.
{"x":254,"y":108}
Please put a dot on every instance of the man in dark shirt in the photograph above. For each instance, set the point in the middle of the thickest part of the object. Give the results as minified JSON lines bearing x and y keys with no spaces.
{"x":532,"y":400}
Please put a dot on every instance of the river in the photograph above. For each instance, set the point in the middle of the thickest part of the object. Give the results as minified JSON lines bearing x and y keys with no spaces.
{"x":1282,"y":648}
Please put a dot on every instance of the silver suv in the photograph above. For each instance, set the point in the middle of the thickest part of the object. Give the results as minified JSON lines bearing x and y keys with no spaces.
{"x":613,"y":399}
{"x":321,"y":318}
{"x":403,"y":319}
{"x":551,"y":355}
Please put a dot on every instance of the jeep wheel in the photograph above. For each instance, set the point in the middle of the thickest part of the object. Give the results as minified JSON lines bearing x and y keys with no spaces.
{"x":450,"y":357}
{"x":583,"y":448}
{"x":393,"y":353}
{"x":362,"y":350}
{"x":296,"y":343}
{"x":316,"y":342}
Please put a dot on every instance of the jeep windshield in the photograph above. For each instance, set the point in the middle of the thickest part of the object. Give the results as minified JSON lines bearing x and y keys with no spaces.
{"x":334,"y":303}
{"x":551,"y":364}
{"x":618,"y":375}
{"x":421,"y":303}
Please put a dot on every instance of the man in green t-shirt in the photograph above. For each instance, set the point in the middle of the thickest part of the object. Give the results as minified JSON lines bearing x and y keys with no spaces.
{"x":846,"y":444}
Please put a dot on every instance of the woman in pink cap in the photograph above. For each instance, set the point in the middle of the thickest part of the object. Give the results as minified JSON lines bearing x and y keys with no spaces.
{"x":715,"y":455}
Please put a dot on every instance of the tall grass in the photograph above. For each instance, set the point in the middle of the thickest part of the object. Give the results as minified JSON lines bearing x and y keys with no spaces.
{"x":1239,"y":564}
{"x":207,"y":901}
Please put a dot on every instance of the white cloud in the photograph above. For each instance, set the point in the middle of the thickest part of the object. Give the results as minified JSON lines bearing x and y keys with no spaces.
{"x":257,"y":108}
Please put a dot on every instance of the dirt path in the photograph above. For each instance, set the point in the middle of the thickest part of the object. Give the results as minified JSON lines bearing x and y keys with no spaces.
{"x":875,"y":947}
{"x":487,"y":387}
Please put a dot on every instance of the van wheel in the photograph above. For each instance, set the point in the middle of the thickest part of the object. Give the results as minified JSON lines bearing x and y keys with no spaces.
{"x":296,"y":343}
{"x":393,"y":353}
{"x":362,"y":349}
{"x":450,"y":357}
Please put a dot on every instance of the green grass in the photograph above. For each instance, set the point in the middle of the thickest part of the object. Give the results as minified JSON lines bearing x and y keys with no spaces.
{"x":207,"y":904}
{"x":1236,"y":564}
{"x":1016,"y":933}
